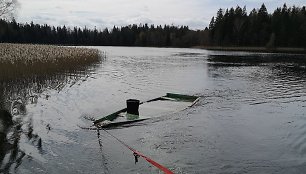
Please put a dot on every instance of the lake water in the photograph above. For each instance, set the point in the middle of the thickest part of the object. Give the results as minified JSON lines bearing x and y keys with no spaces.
{"x":251,"y":117}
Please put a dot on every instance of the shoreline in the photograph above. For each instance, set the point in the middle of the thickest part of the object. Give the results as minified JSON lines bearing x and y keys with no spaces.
{"x":255,"y":49}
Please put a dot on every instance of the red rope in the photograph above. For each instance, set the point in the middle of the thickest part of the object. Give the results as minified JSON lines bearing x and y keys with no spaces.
{"x":161,"y":167}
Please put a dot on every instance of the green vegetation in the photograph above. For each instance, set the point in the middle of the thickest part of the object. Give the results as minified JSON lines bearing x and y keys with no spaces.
{"x":285,"y":27}
{"x":132,"y":35}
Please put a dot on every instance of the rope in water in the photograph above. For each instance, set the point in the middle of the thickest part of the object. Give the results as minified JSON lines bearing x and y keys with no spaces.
{"x":136,"y":153}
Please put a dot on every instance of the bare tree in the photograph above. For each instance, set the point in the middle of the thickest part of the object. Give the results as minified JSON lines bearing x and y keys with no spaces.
{"x":7,"y":8}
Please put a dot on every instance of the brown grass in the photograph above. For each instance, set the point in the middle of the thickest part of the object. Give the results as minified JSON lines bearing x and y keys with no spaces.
{"x":19,"y":60}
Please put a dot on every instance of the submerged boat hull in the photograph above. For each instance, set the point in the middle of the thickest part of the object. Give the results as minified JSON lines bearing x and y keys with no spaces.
{"x":170,"y":103}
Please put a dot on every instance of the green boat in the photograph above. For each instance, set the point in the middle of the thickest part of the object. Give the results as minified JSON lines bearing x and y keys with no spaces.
{"x":157,"y":107}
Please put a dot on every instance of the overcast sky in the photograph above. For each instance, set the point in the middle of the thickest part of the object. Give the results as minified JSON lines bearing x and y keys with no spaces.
{"x":107,"y":13}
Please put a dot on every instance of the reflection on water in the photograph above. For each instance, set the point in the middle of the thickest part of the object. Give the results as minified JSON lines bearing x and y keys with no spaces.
{"x":16,"y":125}
{"x":257,"y":58}
{"x":250,"y":118}
{"x":276,"y":77}
{"x":262,"y":101}
{"x":11,"y":155}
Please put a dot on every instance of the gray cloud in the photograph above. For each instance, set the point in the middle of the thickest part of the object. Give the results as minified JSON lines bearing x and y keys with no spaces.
{"x":106,"y":13}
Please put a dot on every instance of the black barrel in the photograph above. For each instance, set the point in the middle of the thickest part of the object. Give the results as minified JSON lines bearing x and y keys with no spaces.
{"x":132,"y":106}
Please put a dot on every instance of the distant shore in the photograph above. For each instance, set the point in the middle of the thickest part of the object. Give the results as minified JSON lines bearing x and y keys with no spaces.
{"x":256,"y":49}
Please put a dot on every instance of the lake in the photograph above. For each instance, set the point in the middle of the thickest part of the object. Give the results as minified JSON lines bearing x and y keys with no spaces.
{"x":251,"y":117}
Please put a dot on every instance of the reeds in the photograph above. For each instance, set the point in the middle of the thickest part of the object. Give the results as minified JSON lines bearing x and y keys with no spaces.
{"x":19,"y":60}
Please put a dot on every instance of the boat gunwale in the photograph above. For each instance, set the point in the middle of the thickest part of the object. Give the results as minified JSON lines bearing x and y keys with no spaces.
{"x":168,"y":96}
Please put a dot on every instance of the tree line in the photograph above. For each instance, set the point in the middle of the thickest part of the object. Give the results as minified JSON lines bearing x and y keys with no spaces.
{"x":132,"y":35}
{"x":285,"y":27}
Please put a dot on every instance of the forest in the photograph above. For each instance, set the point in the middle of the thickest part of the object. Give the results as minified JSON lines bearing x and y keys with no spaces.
{"x":285,"y":27}
{"x":132,"y":35}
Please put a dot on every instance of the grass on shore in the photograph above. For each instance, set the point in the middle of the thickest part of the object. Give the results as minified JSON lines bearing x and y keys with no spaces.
{"x":19,"y":60}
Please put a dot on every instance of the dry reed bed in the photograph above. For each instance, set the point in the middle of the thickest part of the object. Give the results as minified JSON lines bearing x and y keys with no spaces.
{"x":18,"y":60}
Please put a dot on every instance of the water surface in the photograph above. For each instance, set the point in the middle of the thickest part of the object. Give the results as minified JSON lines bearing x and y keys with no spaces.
{"x":250,"y":118}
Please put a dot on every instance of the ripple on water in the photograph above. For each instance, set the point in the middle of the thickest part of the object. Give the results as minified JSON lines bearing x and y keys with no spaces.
{"x":245,"y":108}
{"x":274,"y":87}
{"x":297,"y":136}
